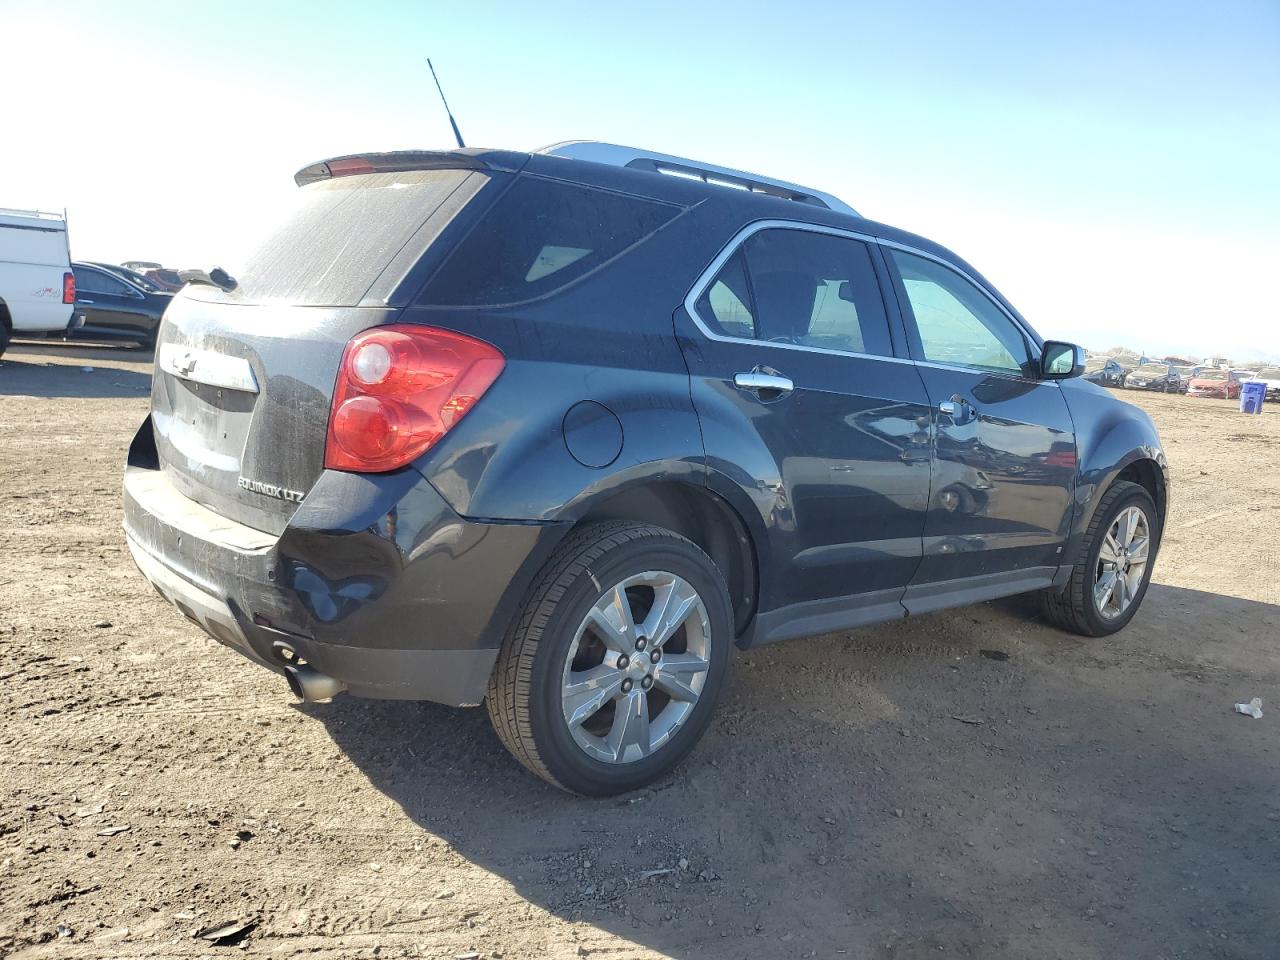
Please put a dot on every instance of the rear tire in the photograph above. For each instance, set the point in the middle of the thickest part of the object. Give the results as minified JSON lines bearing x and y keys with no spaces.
{"x":1086,"y":606}
{"x":578,"y":694}
{"x":4,"y":338}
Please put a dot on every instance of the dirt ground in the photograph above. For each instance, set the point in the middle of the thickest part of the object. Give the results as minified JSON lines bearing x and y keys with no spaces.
{"x":886,"y":793}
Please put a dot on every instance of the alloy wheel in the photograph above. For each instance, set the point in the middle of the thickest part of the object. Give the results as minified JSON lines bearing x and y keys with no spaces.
{"x":1122,"y":561}
{"x":636,"y":667}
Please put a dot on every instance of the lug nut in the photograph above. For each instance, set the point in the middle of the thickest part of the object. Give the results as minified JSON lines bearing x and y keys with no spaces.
{"x":655,"y":656}
{"x":640,"y":643}
{"x":646,"y":683}
{"x":623,"y":662}
{"x":626,"y":686}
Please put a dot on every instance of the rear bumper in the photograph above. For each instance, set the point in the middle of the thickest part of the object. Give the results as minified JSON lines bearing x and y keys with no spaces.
{"x":375,"y":580}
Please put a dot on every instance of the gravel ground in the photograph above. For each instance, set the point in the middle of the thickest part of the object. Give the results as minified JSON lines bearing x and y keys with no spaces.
{"x":886,"y":793}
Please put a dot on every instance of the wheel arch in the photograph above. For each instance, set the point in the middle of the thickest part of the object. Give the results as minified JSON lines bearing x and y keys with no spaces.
{"x":699,"y":515}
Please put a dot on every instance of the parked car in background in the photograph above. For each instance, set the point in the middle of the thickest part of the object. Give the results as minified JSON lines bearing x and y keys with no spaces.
{"x":133,"y":276}
{"x":37,"y":285}
{"x":1105,"y":371}
{"x":1224,"y":384}
{"x":1155,"y":376}
{"x":1271,"y":377}
{"x":166,"y":279}
{"x":110,"y":306}
{"x":1188,"y":374}
{"x":439,"y":470}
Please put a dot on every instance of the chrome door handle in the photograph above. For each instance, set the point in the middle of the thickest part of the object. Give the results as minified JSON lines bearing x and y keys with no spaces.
{"x":755,"y":380}
{"x":84,"y":301}
{"x":958,"y":409}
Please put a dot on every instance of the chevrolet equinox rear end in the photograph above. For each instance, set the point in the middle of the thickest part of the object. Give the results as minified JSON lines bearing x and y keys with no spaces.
{"x":554,"y":431}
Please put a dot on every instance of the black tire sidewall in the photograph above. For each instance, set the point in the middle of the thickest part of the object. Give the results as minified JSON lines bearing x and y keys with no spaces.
{"x":1100,"y":625}
{"x":560,"y":752}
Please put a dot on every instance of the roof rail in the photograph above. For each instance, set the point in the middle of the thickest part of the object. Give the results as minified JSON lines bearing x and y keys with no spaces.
{"x":637,"y":159}
{"x":31,"y":214}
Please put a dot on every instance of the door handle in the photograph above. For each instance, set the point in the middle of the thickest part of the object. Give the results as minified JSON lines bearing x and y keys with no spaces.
{"x":958,"y":409}
{"x":758,"y":381}
{"x":85,"y":301}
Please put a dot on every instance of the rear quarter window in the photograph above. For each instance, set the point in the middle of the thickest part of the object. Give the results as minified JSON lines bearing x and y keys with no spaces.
{"x":539,"y":237}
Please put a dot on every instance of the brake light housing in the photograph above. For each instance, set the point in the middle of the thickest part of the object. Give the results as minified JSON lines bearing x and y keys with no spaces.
{"x":68,"y":287}
{"x":401,"y":388}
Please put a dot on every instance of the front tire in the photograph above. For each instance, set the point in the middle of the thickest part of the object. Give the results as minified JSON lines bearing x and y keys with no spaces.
{"x":1112,"y":568}
{"x":610,"y":675}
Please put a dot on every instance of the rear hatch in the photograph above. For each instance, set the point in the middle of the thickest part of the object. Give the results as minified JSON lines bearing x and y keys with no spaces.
{"x":244,"y":377}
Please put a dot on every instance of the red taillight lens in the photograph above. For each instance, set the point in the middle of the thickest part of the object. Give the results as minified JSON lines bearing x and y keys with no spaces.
{"x":400,"y":389}
{"x":68,"y":288}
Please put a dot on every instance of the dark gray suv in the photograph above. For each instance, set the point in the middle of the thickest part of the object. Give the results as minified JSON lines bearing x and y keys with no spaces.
{"x":554,"y":431}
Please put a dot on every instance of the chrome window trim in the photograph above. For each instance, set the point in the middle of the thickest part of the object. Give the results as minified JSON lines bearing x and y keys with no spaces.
{"x":735,"y":243}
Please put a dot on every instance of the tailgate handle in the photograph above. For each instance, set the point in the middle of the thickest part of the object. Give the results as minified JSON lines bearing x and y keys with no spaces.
{"x":207,"y":366}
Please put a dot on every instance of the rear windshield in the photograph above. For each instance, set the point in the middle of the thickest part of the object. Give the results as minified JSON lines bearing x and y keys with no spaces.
{"x":1212,"y":375}
{"x":342,"y":234}
{"x":539,"y":237}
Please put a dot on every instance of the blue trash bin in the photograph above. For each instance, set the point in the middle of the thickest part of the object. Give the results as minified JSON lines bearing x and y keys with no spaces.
{"x":1253,"y":393}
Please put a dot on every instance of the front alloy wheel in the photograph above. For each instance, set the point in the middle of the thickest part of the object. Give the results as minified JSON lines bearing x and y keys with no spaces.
{"x":1122,"y":562}
{"x":1112,"y":566}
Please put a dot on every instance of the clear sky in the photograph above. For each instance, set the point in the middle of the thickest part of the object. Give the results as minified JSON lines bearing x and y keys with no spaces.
{"x":1113,"y":167}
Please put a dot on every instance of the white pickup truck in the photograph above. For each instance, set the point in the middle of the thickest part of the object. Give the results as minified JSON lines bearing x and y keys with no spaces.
{"x":37,"y":287}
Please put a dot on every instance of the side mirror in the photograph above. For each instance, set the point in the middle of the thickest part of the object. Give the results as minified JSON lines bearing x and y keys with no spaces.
{"x":1059,"y":361}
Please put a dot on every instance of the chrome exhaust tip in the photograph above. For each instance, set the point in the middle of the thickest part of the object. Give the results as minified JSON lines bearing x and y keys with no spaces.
{"x":310,"y":685}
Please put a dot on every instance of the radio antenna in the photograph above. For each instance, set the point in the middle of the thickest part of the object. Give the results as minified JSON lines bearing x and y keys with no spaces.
{"x":453,"y":123}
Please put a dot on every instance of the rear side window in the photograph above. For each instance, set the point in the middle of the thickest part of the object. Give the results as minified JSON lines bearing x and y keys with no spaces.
{"x":342,"y":234}
{"x":801,"y":288}
{"x":539,"y":237}
{"x":95,"y":281}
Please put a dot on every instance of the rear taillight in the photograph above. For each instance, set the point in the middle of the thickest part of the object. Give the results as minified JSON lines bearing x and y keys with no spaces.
{"x":400,"y":389}
{"x":68,"y":288}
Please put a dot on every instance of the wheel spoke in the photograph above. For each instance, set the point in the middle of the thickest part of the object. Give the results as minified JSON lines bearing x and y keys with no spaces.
{"x":1103,"y":589}
{"x":587,"y":691}
{"x":629,"y":737}
{"x":1110,"y":550}
{"x":612,"y":622}
{"x":1126,"y":524}
{"x":1139,"y":548}
{"x":677,"y":673}
{"x":671,"y":607}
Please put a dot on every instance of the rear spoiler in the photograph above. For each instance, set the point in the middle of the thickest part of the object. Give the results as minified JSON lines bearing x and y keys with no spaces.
{"x":403,"y":160}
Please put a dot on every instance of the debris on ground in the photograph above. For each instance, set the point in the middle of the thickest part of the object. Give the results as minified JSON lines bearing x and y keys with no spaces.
{"x":112,"y":831}
{"x":994,"y":654}
{"x":226,"y":933}
{"x":1251,"y":709}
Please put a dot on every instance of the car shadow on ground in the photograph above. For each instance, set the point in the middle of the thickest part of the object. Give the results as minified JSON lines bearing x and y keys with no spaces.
{"x":82,"y":370}
{"x":895,"y":792}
